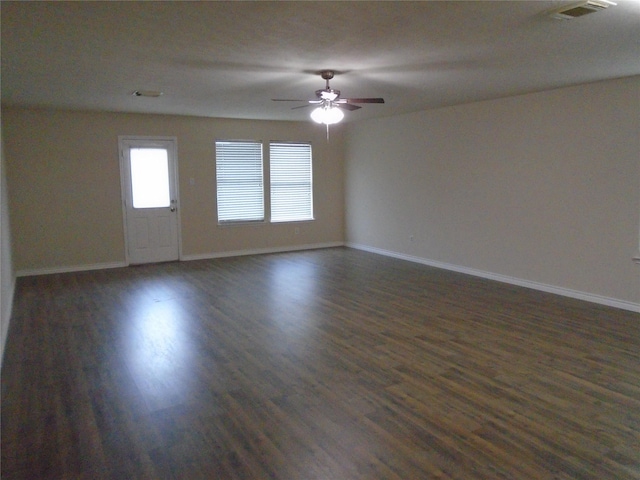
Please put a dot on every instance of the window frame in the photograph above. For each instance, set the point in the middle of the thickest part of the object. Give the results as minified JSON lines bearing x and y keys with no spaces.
{"x":266,"y":183}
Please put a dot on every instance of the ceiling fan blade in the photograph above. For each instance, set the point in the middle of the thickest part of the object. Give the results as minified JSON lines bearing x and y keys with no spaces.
{"x":300,"y":106}
{"x":347,"y":106}
{"x":363,"y":100}
{"x":311,"y":102}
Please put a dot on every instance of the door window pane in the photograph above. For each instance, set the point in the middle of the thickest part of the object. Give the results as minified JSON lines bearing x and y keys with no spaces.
{"x":150,"y":177}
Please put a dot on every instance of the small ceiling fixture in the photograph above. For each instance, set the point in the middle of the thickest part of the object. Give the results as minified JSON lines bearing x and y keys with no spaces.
{"x":329,"y":104}
{"x":579,"y":9}
{"x":147,"y":93}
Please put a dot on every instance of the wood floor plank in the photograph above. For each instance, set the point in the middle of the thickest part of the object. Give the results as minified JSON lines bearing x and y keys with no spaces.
{"x":325,"y":364}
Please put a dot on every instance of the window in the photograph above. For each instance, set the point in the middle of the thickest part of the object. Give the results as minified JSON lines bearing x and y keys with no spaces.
{"x":149,"y":177}
{"x":291,"y":182}
{"x":239,"y":181}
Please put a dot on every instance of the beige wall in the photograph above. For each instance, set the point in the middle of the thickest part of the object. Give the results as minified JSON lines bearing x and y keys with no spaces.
{"x":64,"y":175}
{"x":7,"y":276}
{"x":543,"y":188}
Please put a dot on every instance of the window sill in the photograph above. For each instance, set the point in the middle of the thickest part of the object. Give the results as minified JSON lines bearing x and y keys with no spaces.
{"x":249,"y":223}
{"x":281,"y":222}
{"x":263,"y":222}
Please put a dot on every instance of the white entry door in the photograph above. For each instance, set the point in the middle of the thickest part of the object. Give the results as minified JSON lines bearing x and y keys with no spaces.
{"x":149,"y":188}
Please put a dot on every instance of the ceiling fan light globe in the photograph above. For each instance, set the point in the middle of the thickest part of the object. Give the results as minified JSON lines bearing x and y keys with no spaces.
{"x":335,"y":115}
{"x":328,"y":116}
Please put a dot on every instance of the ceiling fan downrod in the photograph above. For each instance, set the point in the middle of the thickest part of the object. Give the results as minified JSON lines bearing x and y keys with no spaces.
{"x":327,"y":75}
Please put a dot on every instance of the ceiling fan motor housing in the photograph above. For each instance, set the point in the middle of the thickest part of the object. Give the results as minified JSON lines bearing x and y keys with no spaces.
{"x":328,"y":94}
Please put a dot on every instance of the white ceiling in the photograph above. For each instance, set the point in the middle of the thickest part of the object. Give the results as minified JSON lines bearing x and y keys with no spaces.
{"x":229,"y":59}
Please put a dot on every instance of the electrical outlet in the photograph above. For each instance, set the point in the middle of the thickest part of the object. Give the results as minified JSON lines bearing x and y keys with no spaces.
{"x":411,"y":238}
{"x":296,"y":230}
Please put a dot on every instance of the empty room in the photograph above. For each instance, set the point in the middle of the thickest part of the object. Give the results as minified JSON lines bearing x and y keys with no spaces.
{"x":320,"y":240}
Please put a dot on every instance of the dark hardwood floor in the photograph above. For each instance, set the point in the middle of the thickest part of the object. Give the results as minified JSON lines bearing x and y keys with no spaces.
{"x":328,"y":364}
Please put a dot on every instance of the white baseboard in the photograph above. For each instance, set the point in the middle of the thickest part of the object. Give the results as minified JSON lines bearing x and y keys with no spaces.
{"x":205,"y":256}
{"x":565,"y":292}
{"x":260,"y":251}
{"x":589,"y":297}
{"x":67,"y":269}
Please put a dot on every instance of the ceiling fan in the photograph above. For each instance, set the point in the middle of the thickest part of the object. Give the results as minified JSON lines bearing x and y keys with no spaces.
{"x":329,"y":103}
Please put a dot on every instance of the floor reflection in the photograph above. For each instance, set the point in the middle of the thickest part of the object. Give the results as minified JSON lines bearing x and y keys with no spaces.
{"x":293,"y":289}
{"x":159,"y":350}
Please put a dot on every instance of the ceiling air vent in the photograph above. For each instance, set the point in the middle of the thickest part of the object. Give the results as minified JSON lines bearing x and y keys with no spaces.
{"x":147,"y":93}
{"x":579,"y":9}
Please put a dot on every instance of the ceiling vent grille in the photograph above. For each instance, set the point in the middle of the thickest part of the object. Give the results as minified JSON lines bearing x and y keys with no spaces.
{"x":579,"y":9}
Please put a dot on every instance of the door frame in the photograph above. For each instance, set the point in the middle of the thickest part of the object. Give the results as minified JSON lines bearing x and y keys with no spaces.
{"x":124,"y":187}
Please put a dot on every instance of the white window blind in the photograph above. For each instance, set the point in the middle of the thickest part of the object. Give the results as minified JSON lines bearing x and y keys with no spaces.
{"x":291,"y":182}
{"x":240,"y":190}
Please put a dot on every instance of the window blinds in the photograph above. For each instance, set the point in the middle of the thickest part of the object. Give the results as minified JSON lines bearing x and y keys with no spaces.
{"x":240,"y":190}
{"x":291,"y":182}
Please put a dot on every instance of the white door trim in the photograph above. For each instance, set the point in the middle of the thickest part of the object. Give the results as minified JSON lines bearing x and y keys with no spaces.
{"x":148,"y":141}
